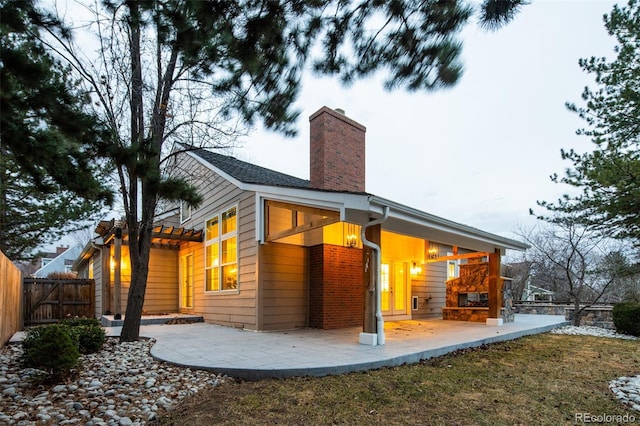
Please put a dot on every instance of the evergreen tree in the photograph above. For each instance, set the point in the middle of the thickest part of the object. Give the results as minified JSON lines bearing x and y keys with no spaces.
{"x":609,"y":176}
{"x":48,"y":170}
{"x":167,"y":66}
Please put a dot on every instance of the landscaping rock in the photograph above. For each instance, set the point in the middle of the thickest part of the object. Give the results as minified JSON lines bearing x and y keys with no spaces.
{"x":120,"y":385}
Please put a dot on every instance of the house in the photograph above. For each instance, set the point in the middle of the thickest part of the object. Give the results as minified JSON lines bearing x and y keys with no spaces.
{"x":533,"y":293}
{"x":269,"y":251}
{"x":59,"y":261}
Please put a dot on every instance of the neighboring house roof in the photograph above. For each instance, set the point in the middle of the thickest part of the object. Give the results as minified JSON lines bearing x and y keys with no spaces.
{"x":534,"y":289}
{"x":86,"y":253}
{"x":250,"y":173}
{"x":61,"y":263}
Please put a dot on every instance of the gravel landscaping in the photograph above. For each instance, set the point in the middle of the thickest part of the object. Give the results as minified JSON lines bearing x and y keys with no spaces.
{"x":119,"y":385}
{"x":587,"y":330}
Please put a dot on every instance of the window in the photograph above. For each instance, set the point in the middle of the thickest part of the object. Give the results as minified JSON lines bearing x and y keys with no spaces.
{"x":221,"y":252}
{"x":452,"y":268}
{"x":185,"y":212}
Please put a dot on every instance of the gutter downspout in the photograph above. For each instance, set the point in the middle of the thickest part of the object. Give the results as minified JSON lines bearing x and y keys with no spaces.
{"x":376,"y":273}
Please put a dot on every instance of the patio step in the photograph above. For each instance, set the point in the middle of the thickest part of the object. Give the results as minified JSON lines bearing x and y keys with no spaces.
{"x":109,"y":321}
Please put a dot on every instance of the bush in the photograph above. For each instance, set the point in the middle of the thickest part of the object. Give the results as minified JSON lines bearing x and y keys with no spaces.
{"x":86,"y":333}
{"x":626,"y":318}
{"x":50,"y":348}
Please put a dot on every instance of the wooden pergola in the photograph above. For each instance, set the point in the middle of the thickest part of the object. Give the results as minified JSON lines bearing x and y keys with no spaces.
{"x":164,"y":237}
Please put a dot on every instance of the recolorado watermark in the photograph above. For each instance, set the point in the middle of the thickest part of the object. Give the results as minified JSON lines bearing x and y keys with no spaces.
{"x":604,"y":418}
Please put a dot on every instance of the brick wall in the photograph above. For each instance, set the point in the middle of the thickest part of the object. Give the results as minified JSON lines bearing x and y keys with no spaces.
{"x":336,"y":287}
{"x":337,"y":152}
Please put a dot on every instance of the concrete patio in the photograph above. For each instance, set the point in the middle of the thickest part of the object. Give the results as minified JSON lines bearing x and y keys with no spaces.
{"x":311,"y":352}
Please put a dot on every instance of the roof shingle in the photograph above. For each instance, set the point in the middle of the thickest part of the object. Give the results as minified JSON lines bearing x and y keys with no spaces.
{"x":250,"y":173}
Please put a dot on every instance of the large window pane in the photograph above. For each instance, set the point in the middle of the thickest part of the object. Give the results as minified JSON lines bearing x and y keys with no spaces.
{"x":221,"y":252}
{"x":229,"y":277}
{"x":212,"y":228}
{"x":229,"y":221}
{"x":213,"y":255}
{"x":229,"y":250}
{"x":213,"y":279}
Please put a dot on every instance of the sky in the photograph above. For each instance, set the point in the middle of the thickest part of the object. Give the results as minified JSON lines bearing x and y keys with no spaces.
{"x":482,"y":152}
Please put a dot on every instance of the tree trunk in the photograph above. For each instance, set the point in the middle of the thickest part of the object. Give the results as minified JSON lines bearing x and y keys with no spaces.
{"x":139,"y":233}
{"x":137,"y":289}
{"x":577,"y":313}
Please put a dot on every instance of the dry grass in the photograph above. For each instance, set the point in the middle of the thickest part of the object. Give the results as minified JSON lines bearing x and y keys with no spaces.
{"x":537,"y":380}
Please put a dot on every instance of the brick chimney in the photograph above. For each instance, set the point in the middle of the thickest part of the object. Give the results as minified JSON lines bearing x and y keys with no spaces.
{"x":337,"y":151}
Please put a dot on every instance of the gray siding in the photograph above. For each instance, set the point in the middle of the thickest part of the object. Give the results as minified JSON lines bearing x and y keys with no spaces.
{"x":284,"y":286}
{"x":97,"y":278}
{"x":162,"y":284}
{"x":234,"y":308}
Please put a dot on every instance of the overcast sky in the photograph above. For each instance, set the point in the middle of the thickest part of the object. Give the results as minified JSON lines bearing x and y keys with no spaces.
{"x":481,"y":153}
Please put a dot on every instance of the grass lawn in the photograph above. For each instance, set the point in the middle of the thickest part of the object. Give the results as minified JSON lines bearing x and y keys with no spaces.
{"x":538,"y":380}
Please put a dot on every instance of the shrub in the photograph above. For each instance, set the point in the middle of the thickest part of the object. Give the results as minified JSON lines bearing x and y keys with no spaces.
{"x":626,"y":318}
{"x":86,"y":333}
{"x":50,"y":348}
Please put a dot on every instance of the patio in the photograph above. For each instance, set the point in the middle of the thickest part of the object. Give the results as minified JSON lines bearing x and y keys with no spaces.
{"x":311,"y":352}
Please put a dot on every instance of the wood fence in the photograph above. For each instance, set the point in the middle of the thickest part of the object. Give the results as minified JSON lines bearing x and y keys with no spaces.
{"x":10,"y":299}
{"x":51,"y":300}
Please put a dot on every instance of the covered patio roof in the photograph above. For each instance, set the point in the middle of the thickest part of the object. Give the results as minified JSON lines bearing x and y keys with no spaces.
{"x":359,"y":209}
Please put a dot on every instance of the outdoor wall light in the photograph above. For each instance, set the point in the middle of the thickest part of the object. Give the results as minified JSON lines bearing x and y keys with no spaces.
{"x":416,"y":269}
{"x":350,"y":235}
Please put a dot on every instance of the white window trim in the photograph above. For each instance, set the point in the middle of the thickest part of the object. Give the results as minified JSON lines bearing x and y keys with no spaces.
{"x":219,"y":240}
{"x":183,"y":207}
{"x":457,"y":267}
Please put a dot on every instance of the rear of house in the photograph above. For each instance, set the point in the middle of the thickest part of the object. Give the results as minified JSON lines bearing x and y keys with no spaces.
{"x":268,"y":251}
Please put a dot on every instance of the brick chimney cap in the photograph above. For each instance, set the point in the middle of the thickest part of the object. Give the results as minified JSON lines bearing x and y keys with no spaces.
{"x":337,"y":115}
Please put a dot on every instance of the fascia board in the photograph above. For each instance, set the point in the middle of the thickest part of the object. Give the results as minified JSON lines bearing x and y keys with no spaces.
{"x":337,"y":201}
{"x":418,"y":217}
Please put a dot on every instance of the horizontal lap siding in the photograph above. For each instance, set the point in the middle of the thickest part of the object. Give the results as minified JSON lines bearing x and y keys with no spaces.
{"x":232,"y":308}
{"x":162,"y":283}
{"x":431,"y":285}
{"x":283,"y":277}
{"x":97,"y":278}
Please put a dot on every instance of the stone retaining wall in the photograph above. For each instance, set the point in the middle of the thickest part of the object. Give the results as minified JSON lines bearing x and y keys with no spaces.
{"x":539,"y":309}
{"x":597,"y":316}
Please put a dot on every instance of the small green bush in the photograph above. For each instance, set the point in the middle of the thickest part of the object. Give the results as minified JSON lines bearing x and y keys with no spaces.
{"x":74,"y":322}
{"x":86,"y":333}
{"x":626,"y":318}
{"x":50,"y":348}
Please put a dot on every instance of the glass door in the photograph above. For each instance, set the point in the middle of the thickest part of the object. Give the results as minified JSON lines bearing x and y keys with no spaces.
{"x":394,"y":288}
{"x":186,"y":279}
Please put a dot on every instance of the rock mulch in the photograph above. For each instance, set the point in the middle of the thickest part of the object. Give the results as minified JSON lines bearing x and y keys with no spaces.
{"x":119,"y":385}
{"x":588,"y":330}
{"x":625,"y":389}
